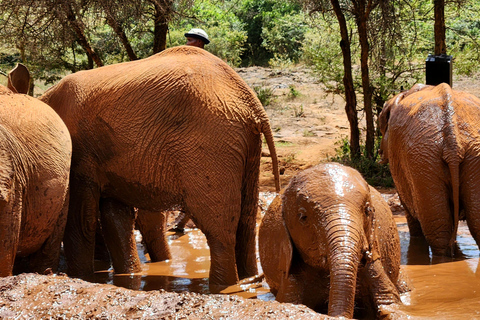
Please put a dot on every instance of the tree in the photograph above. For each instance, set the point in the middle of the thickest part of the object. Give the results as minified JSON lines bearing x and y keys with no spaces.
{"x":360,"y":10}
{"x":350,"y":96}
{"x":439,"y":27}
{"x":162,"y":16}
{"x":51,"y":36}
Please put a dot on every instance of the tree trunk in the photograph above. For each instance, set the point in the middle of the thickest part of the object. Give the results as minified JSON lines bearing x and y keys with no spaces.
{"x":350,"y":98}
{"x":112,"y":22}
{"x":79,"y":29}
{"x":162,"y":16}
{"x":362,"y":19}
{"x":439,"y":9}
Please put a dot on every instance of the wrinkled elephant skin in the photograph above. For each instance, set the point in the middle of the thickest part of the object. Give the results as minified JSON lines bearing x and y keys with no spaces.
{"x":431,"y":140}
{"x":35,"y":154}
{"x":330,"y":229}
{"x":177,"y":129}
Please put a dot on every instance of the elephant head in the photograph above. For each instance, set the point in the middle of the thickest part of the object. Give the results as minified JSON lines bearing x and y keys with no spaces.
{"x":324,"y":231}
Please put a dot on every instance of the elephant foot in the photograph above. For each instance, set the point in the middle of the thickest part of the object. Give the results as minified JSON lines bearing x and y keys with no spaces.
{"x":177,"y":229}
{"x":216,"y":288}
{"x":391,"y":311}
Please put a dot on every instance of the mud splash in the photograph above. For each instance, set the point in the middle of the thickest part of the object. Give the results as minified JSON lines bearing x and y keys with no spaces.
{"x":446,"y":289}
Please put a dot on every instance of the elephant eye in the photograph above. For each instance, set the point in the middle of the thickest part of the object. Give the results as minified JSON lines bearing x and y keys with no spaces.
{"x":302,"y":214}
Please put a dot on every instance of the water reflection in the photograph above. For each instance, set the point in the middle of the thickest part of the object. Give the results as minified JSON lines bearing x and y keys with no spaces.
{"x":446,"y":289}
{"x":415,"y":251}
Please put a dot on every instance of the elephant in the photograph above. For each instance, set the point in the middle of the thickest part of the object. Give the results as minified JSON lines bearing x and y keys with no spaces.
{"x":330,"y":240}
{"x":35,"y":155}
{"x":431,"y":140}
{"x":177,"y":129}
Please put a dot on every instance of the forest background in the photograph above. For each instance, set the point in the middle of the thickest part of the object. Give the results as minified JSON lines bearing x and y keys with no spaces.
{"x":387,"y":42}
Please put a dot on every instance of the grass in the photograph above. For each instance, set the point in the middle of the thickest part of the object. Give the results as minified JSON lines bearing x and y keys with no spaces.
{"x":308,"y":133}
{"x":299,"y":112}
{"x":283,"y":143}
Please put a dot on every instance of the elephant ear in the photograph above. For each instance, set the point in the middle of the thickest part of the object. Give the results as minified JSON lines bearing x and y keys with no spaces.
{"x":19,"y":79}
{"x":275,"y":243}
{"x":286,"y":252}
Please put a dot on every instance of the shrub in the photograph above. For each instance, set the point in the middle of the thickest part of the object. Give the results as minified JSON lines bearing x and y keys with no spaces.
{"x":375,"y":173}
{"x":264,"y":94}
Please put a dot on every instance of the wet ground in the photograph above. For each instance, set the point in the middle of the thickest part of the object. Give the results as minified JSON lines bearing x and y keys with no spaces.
{"x":448,"y":289}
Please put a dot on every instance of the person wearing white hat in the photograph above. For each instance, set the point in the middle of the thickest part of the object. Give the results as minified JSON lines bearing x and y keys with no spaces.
{"x":197,"y":37}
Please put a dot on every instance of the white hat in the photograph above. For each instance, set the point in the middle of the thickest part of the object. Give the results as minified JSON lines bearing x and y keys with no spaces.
{"x":199,"y":34}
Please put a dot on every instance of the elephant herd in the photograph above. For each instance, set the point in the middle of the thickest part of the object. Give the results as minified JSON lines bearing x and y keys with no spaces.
{"x":181,"y":129}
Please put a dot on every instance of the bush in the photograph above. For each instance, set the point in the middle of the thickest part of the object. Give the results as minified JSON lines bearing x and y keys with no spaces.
{"x":275,"y":30}
{"x":375,"y":173}
{"x":264,"y":94}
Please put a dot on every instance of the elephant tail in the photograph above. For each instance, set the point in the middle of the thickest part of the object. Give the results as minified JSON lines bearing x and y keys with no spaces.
{"x":455,"y":176}
{"x":267,"y":132}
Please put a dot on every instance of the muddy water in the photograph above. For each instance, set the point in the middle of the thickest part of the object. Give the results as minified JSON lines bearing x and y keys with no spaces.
{"x":448,"y":289}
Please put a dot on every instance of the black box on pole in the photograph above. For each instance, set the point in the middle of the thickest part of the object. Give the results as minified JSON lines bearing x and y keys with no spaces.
{"x":438,"y":69}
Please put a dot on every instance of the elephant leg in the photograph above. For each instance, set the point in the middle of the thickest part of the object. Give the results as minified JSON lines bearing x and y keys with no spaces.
{"x":218,"y":217}
{"x":414,"y":226}
{"x":181,"y":222}
{"x":79,"y":237}
{"x":152,"y":225}
{"x":118,"y":223}
{"x":9,"y":234}
{"x":49,"y":254}
{"x":305,"y":285}
{"x":382,"y":289}
{"x":101,"y":250}
{"x":436,"y":216}
{"x":246,"y":231}
{"x":470,"y":196}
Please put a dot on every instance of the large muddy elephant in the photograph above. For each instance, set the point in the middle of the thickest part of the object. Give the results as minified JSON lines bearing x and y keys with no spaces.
{"x":35,"y":154}
{"x":431,"y":138}
{"x":177,"y":129}
{"x":329,"y":240}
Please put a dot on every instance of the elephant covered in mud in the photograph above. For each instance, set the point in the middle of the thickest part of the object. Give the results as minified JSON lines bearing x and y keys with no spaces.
{"x":431,"y":138}
{"x":35,"y":154}
{"x":329,"y":240}
{"x":177,"y":129}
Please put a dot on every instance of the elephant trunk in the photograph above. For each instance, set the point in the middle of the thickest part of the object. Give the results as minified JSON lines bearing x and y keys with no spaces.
{"x":344,"y":236}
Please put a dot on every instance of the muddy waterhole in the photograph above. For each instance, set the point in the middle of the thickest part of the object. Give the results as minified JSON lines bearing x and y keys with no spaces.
{"x":448,"y":289}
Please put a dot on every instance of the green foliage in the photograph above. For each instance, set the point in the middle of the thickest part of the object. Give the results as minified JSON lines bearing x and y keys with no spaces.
{"x":324,"y":55}
{"x":224,"y":30}
{"x":293,"y":92}
{"x":375,"y":173}
{"x":278,"y":33}
{"x":462,"y":36}
{"x":283,"y":35}
{"x":264,"y":94}
{"x":274,"y":28}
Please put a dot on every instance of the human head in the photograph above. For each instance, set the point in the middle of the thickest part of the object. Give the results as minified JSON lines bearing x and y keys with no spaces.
{"x":197,"y":37}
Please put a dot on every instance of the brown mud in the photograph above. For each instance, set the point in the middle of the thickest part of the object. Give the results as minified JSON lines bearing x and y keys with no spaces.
{"x":307,"y":124}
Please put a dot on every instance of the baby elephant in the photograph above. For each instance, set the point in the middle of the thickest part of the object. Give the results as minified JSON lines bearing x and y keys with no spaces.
{"x":35,"y":154}
{"x":330,"y":239}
